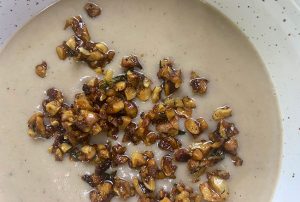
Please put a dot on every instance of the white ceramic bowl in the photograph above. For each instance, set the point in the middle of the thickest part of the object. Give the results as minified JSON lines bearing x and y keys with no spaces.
{"x":272,"y":26}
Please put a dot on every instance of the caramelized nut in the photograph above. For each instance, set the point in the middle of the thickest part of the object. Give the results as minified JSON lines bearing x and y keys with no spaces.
{"x":203,"y":124}
{"x":189,"y":102}
{"x":222,"y":113}
{"x":231,"y":146}
{"x":130,"y":93}
{"x":169,"y":144}
{"x":118,"y":106}
{"x":149,"y":183}
{"x":129,"y":62}
{"x":208,"y":193}
{"x":130,"y":109}
{"x":197,"y":155}
{"x":144,"y":94}
{"x":123,"y":188}
{"x":102,"y":47}
{"x":65,"y":147}
{"x":89,"y":151}
{"x":71,"y":43}
{"x":140,"y":190}
{"x":219,"y":185}
{"x":147,"y":82}
{"x":199,"y":85}
{"x":53,"y":107}
{"x":156,"y":93}
{"x":192,"y":126}
{"x":167,"y":166}
{"x":61,"y":52}
{"x":95,"y":56}
{"x":182,"y":155}
{"x":92,"y":9}
{"x":41,"y":70}
{"x":137,"y":160}
{"x":237,"y":161}
{"x":120,"y":86}
{"x":108,"y":75}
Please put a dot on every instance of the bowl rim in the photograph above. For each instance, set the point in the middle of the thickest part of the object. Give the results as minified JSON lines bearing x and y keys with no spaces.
{"x":278,"y":21}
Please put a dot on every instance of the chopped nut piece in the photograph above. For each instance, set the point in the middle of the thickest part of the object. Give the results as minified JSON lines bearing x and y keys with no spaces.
{"x":192,"y":126}
{"x":123,"y":188}
{"x":219,"y":185}
{"x":130,"y":93}
{"x":189,"y":102}
{"x":171,"y":127}
{"x":197,"y":155}
{"x":137,"y":160}
{"x":129,"y":62}
{"x":237,"y":161}
{"x":118,"y":106}
{"x":156,"y":93}
{"x":144,"y":94}
{"x":61,"y":52}
{"x":53,"y":107}
{"x":102,"y":47}
{"x":151,"y":138}
{"x":139,"y":187}
{"x":65,"y":147}
{"x":120,"y":86}
{"x":168,"y":167}
{"x":110,"y":55}
{"x":95,"y":56}
{"x":182,"y":155}
{"x":149,"y":183}
{"x":92,"y":9}
{"x":41,"y":70}
{"x":108,"y":75}
{"x":231,"y":146}
{"x":169,"y":143}
{"x":58,"y":155}
{"x":130,"y":109}
{"x":203,"y":124}
{"x":125,"y":122}
{"x":36,"y":125}
{"x":222,"y":113}
{"x":71,"y":43}
{"x":89,"y":152}
{"x":102,"y":193}
{"x":199,"y":85}
{"x":208,"y":193}
{"x":81,"y":102}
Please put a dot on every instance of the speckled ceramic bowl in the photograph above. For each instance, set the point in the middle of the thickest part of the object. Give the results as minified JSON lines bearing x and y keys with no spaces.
{"x":272,"y":26}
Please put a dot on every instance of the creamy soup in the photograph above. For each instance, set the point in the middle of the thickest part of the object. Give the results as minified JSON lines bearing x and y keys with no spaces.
{"x":195,"y":35}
